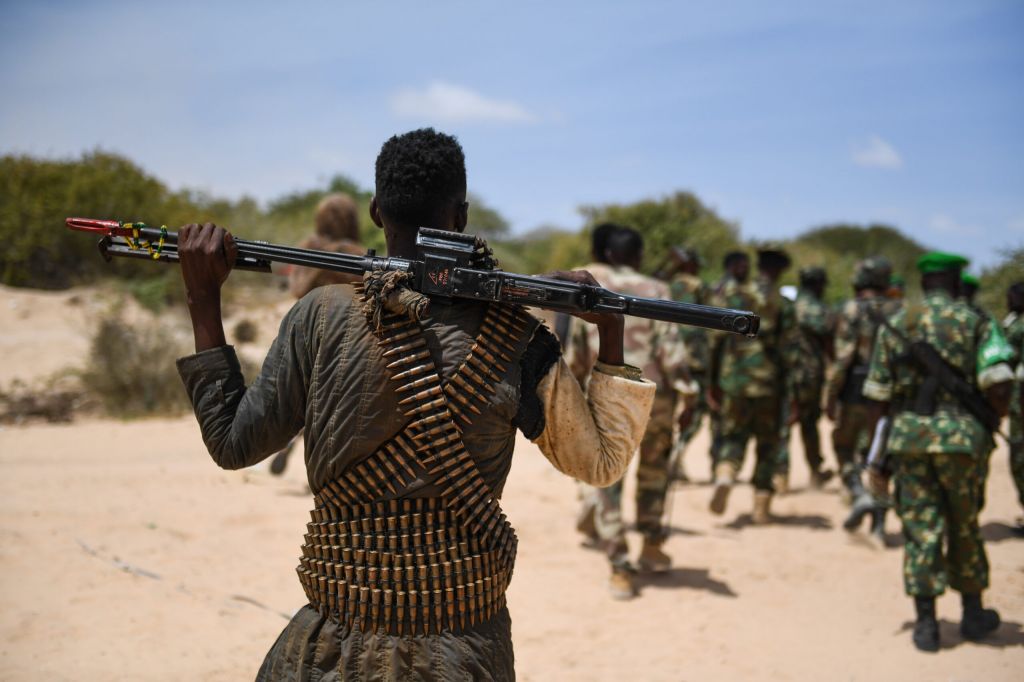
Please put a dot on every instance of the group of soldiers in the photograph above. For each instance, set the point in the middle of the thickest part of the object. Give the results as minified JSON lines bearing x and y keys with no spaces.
{"x":891,"y":419}
{"x":409,"y":410}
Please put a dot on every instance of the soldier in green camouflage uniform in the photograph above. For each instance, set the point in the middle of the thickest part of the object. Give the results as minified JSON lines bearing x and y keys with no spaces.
{"x":856,"y":325}
{"x":686,"y":286}
{"x":934,"y":453}
{"x":656,"y":348}
{"x":1014,"y":329}
{"x":749,"y":378}
{"x":815,"y":326}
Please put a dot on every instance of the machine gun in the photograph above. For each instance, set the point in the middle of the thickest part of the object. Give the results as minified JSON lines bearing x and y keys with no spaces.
{"x":449,"y":265}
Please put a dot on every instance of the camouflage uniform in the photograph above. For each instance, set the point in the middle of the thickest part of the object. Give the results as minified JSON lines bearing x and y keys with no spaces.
{"x":687,"y":288}
{"x":814,"y":325}
{"x":1014,"y":326}
{"x":751,"y":374}
{"x":656,"y":348}
{"x":934,"y":455}
{"x":855,"y":338}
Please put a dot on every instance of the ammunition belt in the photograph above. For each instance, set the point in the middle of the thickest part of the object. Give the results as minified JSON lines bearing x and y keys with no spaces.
{"x":400,"y":567}
{"x":462,"y":557}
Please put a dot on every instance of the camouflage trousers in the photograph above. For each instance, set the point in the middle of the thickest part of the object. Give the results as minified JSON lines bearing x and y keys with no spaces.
{"x":1017,"y":442}
{"x":852,"y":435}
{"x":810,"y":414}
{"x":937,"y":500}
{"x":651,"y":486}
{"x":744,"y":418}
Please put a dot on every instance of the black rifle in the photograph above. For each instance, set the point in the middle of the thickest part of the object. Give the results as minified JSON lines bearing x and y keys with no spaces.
{"x":938,"y":373}
{"x":448,"y":265}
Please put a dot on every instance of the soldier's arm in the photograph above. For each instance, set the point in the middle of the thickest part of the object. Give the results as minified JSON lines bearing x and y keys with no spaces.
{"x":592,"y":438}
{"x":845,"y":347}
{"x":240,"y":425}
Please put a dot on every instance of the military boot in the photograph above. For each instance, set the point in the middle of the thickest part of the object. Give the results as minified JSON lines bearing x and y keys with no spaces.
{"x":977,"y":621}
{"x":878,"y":525}
{"x":762,"y":507}
{"x":725,"y":477}
{"x":620,"y":584}
{"x":862,"y":501}
{"x":652,"y":558}
{"x":926,"y":628}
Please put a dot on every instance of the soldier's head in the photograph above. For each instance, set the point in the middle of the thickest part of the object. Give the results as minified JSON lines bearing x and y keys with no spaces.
{"x":685,"y":259}
{"x":814,"y":279}
{"x":420,"y":182}
{"x":872,"y":275}
{"x":337,"y":218}
{"x":897,"y":287}
{"x":625,"y":247}
{"x":969,"y":286}
{"x":772,"y":261}
{"x":1015,"y":297}
{"x":599,"y":240}
{"x":941,"y":271}
{"x":737,"y":265}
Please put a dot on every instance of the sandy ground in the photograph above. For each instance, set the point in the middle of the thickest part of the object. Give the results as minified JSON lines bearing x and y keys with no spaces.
{"x":125,"y":553}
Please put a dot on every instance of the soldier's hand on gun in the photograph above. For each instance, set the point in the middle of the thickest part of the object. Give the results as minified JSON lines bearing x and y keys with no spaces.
{"x":207,"y":254}
{"x":584,"y":277}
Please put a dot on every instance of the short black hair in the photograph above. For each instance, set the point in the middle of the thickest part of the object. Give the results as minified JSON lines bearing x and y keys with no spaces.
{"x":1016,"y":289}
{"x":599,"y":237}
{"x":734,"y":257}
{"x":418,"y":175}
{"x":625,"y":244}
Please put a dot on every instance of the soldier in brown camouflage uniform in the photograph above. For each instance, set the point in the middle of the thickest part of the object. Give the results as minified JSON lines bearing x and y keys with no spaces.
{"x":856,"y":325}
{"x":656,"y":348}
{"x":749,"y":379}
{"x":935,"y":441}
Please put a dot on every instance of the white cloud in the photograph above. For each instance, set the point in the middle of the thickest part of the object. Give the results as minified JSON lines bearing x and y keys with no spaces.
{"x":946,"y":224}
{"x":449,"y":103}
{"x":876,"y":153}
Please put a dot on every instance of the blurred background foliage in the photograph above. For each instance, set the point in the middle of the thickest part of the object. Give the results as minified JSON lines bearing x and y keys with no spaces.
{"x":37,"y":194}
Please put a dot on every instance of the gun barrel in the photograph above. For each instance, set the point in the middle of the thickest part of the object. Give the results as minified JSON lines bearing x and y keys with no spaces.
{"x":721,"y":319}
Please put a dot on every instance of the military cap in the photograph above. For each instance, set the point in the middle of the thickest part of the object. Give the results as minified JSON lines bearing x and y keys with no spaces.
{"x":813,"y":273}
{"x":773,"y":256}
{"x":970,"y":280}
{"x":873,"y":272}
{"x":940,"y":261}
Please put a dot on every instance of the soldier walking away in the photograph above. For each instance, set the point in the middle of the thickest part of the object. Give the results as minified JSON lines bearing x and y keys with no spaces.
{"x":814,"y":330}
{"x":407,"y":556}
{"x":656,"y":348}
{"x":1014,"y":330}
{"x":845,"y":405}
{"x":749,"y":382}
{"x":934,"y":440}
{"x":567,"y":327}
{"x":686,"y":286}
{"x":337,"y":230}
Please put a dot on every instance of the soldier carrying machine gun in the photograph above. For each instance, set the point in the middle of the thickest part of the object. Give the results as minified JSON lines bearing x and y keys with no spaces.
{"x":450,"y":265}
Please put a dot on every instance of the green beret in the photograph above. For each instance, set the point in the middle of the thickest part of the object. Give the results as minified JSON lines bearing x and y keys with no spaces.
{"x":939,"y":261}
{"x":970,"y":279}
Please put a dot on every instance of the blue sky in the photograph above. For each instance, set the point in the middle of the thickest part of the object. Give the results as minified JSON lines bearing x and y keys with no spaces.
{"x":781,"y":115}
